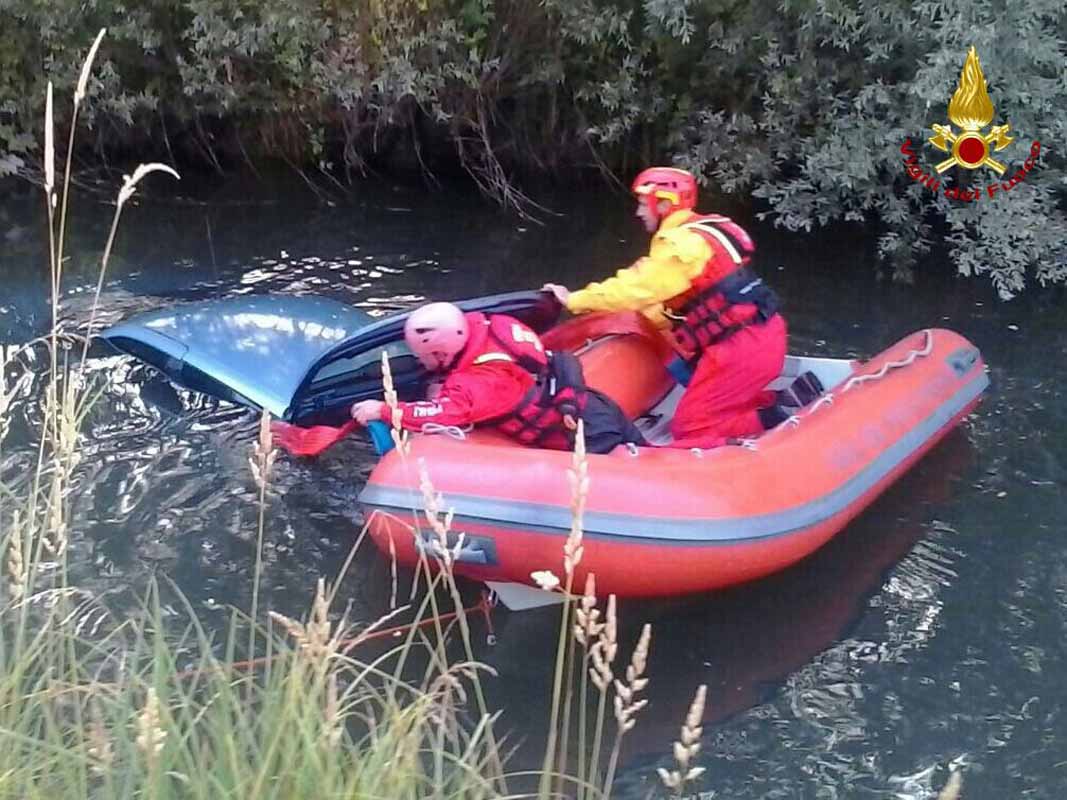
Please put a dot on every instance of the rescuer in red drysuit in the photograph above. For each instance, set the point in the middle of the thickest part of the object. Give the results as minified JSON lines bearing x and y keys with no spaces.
{"x":723,"y":319}
{"x":495,"y":370}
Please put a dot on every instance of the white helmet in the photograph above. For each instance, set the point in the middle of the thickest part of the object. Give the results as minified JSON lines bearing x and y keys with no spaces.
{"x":436,"y":333}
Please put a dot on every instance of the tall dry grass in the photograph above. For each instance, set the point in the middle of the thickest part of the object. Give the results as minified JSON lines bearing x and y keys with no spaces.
{"x":97,"y":705}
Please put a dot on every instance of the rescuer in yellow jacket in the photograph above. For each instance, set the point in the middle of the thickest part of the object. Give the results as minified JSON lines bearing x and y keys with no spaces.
{"x":724,"y":320}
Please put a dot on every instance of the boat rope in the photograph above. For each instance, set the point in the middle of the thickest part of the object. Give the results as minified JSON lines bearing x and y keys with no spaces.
{"x":925,"y":350}
{"x":857,"y":380}
{"x":454,"y":431}
{"x":827,"y":399}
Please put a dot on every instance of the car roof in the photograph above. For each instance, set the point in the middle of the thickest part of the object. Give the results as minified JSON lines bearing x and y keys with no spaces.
{"x":259,"y":346}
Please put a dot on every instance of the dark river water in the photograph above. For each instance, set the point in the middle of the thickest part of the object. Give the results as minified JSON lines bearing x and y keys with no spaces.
{"x":929,"y":634}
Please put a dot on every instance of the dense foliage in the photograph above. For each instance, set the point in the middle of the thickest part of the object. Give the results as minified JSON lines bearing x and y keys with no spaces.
{"x":802,"y":104}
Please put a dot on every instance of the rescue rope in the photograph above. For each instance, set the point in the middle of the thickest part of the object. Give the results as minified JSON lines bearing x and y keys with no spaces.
{"x":855,"y":380}
{"x":827,"y":399}
{"x":454,"y":431}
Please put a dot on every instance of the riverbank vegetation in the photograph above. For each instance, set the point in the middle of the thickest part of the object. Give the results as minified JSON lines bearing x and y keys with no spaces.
{"x":801,"y":107}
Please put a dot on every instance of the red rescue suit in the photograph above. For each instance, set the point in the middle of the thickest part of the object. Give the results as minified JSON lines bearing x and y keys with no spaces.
{"x":502,"y":377}
{"x":728,"y":322}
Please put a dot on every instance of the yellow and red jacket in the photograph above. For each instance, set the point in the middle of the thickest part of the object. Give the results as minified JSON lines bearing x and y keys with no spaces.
{"x":695,"y":280}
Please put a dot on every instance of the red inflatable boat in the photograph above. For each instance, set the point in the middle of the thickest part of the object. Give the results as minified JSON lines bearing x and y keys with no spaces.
{"x":663,"y":521}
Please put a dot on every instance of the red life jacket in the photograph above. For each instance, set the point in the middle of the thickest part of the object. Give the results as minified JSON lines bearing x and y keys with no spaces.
{"x":727,"y":296}
{"x":558,"y":388}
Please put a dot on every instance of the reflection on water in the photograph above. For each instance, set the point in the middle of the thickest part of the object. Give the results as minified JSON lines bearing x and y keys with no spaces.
{"x":930,"y":632}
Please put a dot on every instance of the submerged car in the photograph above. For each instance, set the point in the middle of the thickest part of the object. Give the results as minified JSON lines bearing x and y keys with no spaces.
{"x":303,"y":359}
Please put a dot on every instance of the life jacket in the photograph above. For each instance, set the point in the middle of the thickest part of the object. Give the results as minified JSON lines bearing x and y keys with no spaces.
{"x":559,"y":388}
{"x":727,"y":296}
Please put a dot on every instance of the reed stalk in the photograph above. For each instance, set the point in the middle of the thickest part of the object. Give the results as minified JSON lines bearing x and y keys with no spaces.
{"x":261,"y":464}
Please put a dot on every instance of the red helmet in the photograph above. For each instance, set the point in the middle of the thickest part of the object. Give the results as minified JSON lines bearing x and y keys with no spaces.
{"x":436,"y":333}
{"x":676,"y":186}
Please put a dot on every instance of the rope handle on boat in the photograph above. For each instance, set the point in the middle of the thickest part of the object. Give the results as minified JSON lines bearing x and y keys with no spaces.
{"x":793,"y":421}
{"x":826,"y":400}
{"x":744,"y":444}
{"x":857,"y":380}
{"x":909,"y":359}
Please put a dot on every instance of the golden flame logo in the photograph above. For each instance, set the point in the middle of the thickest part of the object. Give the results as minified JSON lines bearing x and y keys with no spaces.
{"x":971,"y":109}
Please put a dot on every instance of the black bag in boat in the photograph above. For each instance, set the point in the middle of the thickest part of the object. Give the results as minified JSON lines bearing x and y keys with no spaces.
{"x":606,"y":425}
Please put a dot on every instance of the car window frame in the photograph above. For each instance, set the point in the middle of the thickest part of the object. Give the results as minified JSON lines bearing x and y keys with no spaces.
{"x":537,"y":309}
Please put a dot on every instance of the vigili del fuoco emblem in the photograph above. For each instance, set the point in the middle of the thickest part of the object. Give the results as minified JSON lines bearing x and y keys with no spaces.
{"x":971,"y":109}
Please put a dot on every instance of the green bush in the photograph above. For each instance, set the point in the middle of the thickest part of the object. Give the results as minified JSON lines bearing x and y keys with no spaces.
{"x":801,"y":104}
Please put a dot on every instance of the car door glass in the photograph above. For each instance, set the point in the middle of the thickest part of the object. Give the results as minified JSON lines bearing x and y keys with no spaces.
{"x":365,"y":369}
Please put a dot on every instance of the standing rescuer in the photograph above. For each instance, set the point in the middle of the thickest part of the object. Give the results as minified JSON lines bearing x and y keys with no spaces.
{"x":723,"y":319}
{"x":494,"y":370}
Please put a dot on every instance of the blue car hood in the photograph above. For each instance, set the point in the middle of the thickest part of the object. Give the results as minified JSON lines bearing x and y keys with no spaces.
{"x":260,"y":347}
